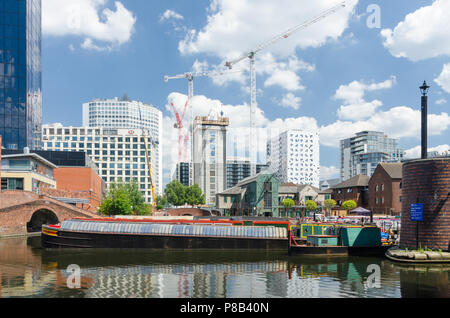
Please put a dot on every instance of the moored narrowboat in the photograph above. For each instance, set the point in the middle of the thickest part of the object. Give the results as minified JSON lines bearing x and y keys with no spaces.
{"x":330,"y":240}
{"x":180,"y":234}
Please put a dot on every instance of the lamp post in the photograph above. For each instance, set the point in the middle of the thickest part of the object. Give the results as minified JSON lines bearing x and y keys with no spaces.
{"x":424,"y":90}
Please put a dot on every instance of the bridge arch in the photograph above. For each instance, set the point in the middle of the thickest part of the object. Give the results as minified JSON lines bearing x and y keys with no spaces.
{"x":39,"y":218}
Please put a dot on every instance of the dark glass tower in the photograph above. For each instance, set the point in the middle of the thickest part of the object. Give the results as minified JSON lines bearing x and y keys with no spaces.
{"x":20,"y":74}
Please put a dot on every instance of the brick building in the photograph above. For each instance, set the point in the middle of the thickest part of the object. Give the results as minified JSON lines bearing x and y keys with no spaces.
{"x":385,"y":189}
{"x":355,"y":189}
{"x":69,"y":177}
{"x":80,"y":186}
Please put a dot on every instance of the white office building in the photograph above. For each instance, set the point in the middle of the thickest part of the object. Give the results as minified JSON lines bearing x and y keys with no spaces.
{"x":118,"y":153}
{"x":210,"y":155}
{"x":294,"y":156}
{"x":122,"y":113}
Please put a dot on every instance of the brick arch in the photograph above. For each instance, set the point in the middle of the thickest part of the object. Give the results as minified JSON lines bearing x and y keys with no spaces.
{"x":41,"y":217}
{"x":18,"y":207}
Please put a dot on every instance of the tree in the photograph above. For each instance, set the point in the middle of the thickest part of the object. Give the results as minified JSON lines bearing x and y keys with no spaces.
{"x":288,"y":203}
{"x":329,"y":204}
{"x":161,"y":202}
{"x":137,"y":199}
{"x":116,"y":203}
{"x":194,"y":195}
{"x":311,"y":205}
{"x":349,"y":205}
{"x":124,"y":199}
{"x":175,"y":193}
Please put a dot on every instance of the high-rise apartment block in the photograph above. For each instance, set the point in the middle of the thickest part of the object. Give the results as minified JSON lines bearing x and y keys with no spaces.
{"x":238,"y":169}
{"x":118,"y":153}
{"x":294,"y":156}
{"x":20,"y":74}
{"x":209,"y":155}
{"x":362,"y":153}
{"x":183,"y":173}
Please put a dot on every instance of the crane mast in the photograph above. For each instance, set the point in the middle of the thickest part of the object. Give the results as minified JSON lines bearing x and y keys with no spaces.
{"x":251,"y":56}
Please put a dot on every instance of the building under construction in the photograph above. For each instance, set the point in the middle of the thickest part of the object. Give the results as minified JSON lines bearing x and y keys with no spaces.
{"x":210,"y":155}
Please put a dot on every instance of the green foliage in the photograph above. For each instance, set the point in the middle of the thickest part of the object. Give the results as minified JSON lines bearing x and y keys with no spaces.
{"x":288,"y":203}
{"x":175,"y":193}
{"x":349,"y":205}
{"x":311,"y":205}
{"x":161,"y":202}
{"x":116,"y":203}
{"x":194,"y":195}
{"x":329,"y":204}
{"x":124,"y":199}
{"x":178,"y":194}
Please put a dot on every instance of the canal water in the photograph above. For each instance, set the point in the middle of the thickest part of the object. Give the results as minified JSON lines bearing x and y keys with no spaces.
{"x":28,"y":271}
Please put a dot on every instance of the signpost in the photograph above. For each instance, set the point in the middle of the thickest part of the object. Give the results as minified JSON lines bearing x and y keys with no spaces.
{"x":416,"y":215}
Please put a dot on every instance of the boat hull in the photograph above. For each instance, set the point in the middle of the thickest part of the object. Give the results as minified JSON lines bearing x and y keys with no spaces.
{"x":377,"y":251}
{"x":73,"y":239}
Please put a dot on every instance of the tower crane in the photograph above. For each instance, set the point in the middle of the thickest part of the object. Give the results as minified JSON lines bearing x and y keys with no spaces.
{"x":251,"y":56}
{"x":179,"y":117}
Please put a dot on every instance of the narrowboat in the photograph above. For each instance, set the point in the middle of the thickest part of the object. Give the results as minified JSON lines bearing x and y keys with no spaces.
{"x":337,"y":240}
{"x":167,"y":234}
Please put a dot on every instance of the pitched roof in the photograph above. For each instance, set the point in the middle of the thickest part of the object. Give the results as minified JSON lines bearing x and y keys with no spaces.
{"x":394,"y":170}
{"x":233,"y":190}
{"x":255,"y":177}
{"x":360,"y":180}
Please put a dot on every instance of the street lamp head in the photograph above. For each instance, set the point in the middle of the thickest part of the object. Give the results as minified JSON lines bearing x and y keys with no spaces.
{"x":424,"y":88}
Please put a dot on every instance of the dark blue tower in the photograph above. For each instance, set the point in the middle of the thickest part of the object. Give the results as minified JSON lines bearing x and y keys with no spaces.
{"x":20,"y":74}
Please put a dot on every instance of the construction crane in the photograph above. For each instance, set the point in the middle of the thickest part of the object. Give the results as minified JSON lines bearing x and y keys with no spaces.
{"x":179,"y":126}
{"x":251,"y":56}
{"x":180,"y":117}
{"x":144,"y":134}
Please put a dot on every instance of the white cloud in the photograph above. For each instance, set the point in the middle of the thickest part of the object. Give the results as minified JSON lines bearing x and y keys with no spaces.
{"x":397,"y":122}
{"x":289,"y":100}
{"x":441,"y":101}
{"x":416,"y":152}
{"x":444,"y":78}
{"x":170,"y":14}
{"x":88,"y":44}
{"x":83,"y":18}
{"x":231,"y":23}
{"x":327,"y":173}
{"x":355,"y":107}
{"x":423,"y":34}
{"x":282,"y":73}
{"x":358,"y":111}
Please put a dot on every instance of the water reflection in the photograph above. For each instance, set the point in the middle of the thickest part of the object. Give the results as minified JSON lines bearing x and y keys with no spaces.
{"x":28,"y":271}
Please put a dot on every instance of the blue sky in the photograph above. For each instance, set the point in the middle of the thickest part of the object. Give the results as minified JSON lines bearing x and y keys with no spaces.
{"x":340,"y":76}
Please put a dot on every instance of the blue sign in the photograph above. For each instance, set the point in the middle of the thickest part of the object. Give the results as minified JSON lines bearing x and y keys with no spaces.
{"x":416,"y":213}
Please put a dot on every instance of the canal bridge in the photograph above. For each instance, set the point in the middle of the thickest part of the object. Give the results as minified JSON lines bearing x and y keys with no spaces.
{"x":23,"y":212}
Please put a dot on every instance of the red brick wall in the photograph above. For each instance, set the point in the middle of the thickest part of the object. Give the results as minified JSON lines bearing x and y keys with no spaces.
{"x":355,"y":195}
{"x":94,"y":199}
{"x":78,"y":182}
{"x":188,"y":211}
{"x":20,"y":207}
{"x":391,"y":193}
{"x":427,"y":182}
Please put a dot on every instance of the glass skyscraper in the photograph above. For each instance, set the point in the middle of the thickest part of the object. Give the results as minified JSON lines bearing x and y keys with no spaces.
{"x":20,"y":74}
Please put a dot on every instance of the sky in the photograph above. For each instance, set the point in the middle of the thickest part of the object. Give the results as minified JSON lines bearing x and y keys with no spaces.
{"x":357,"y":69}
